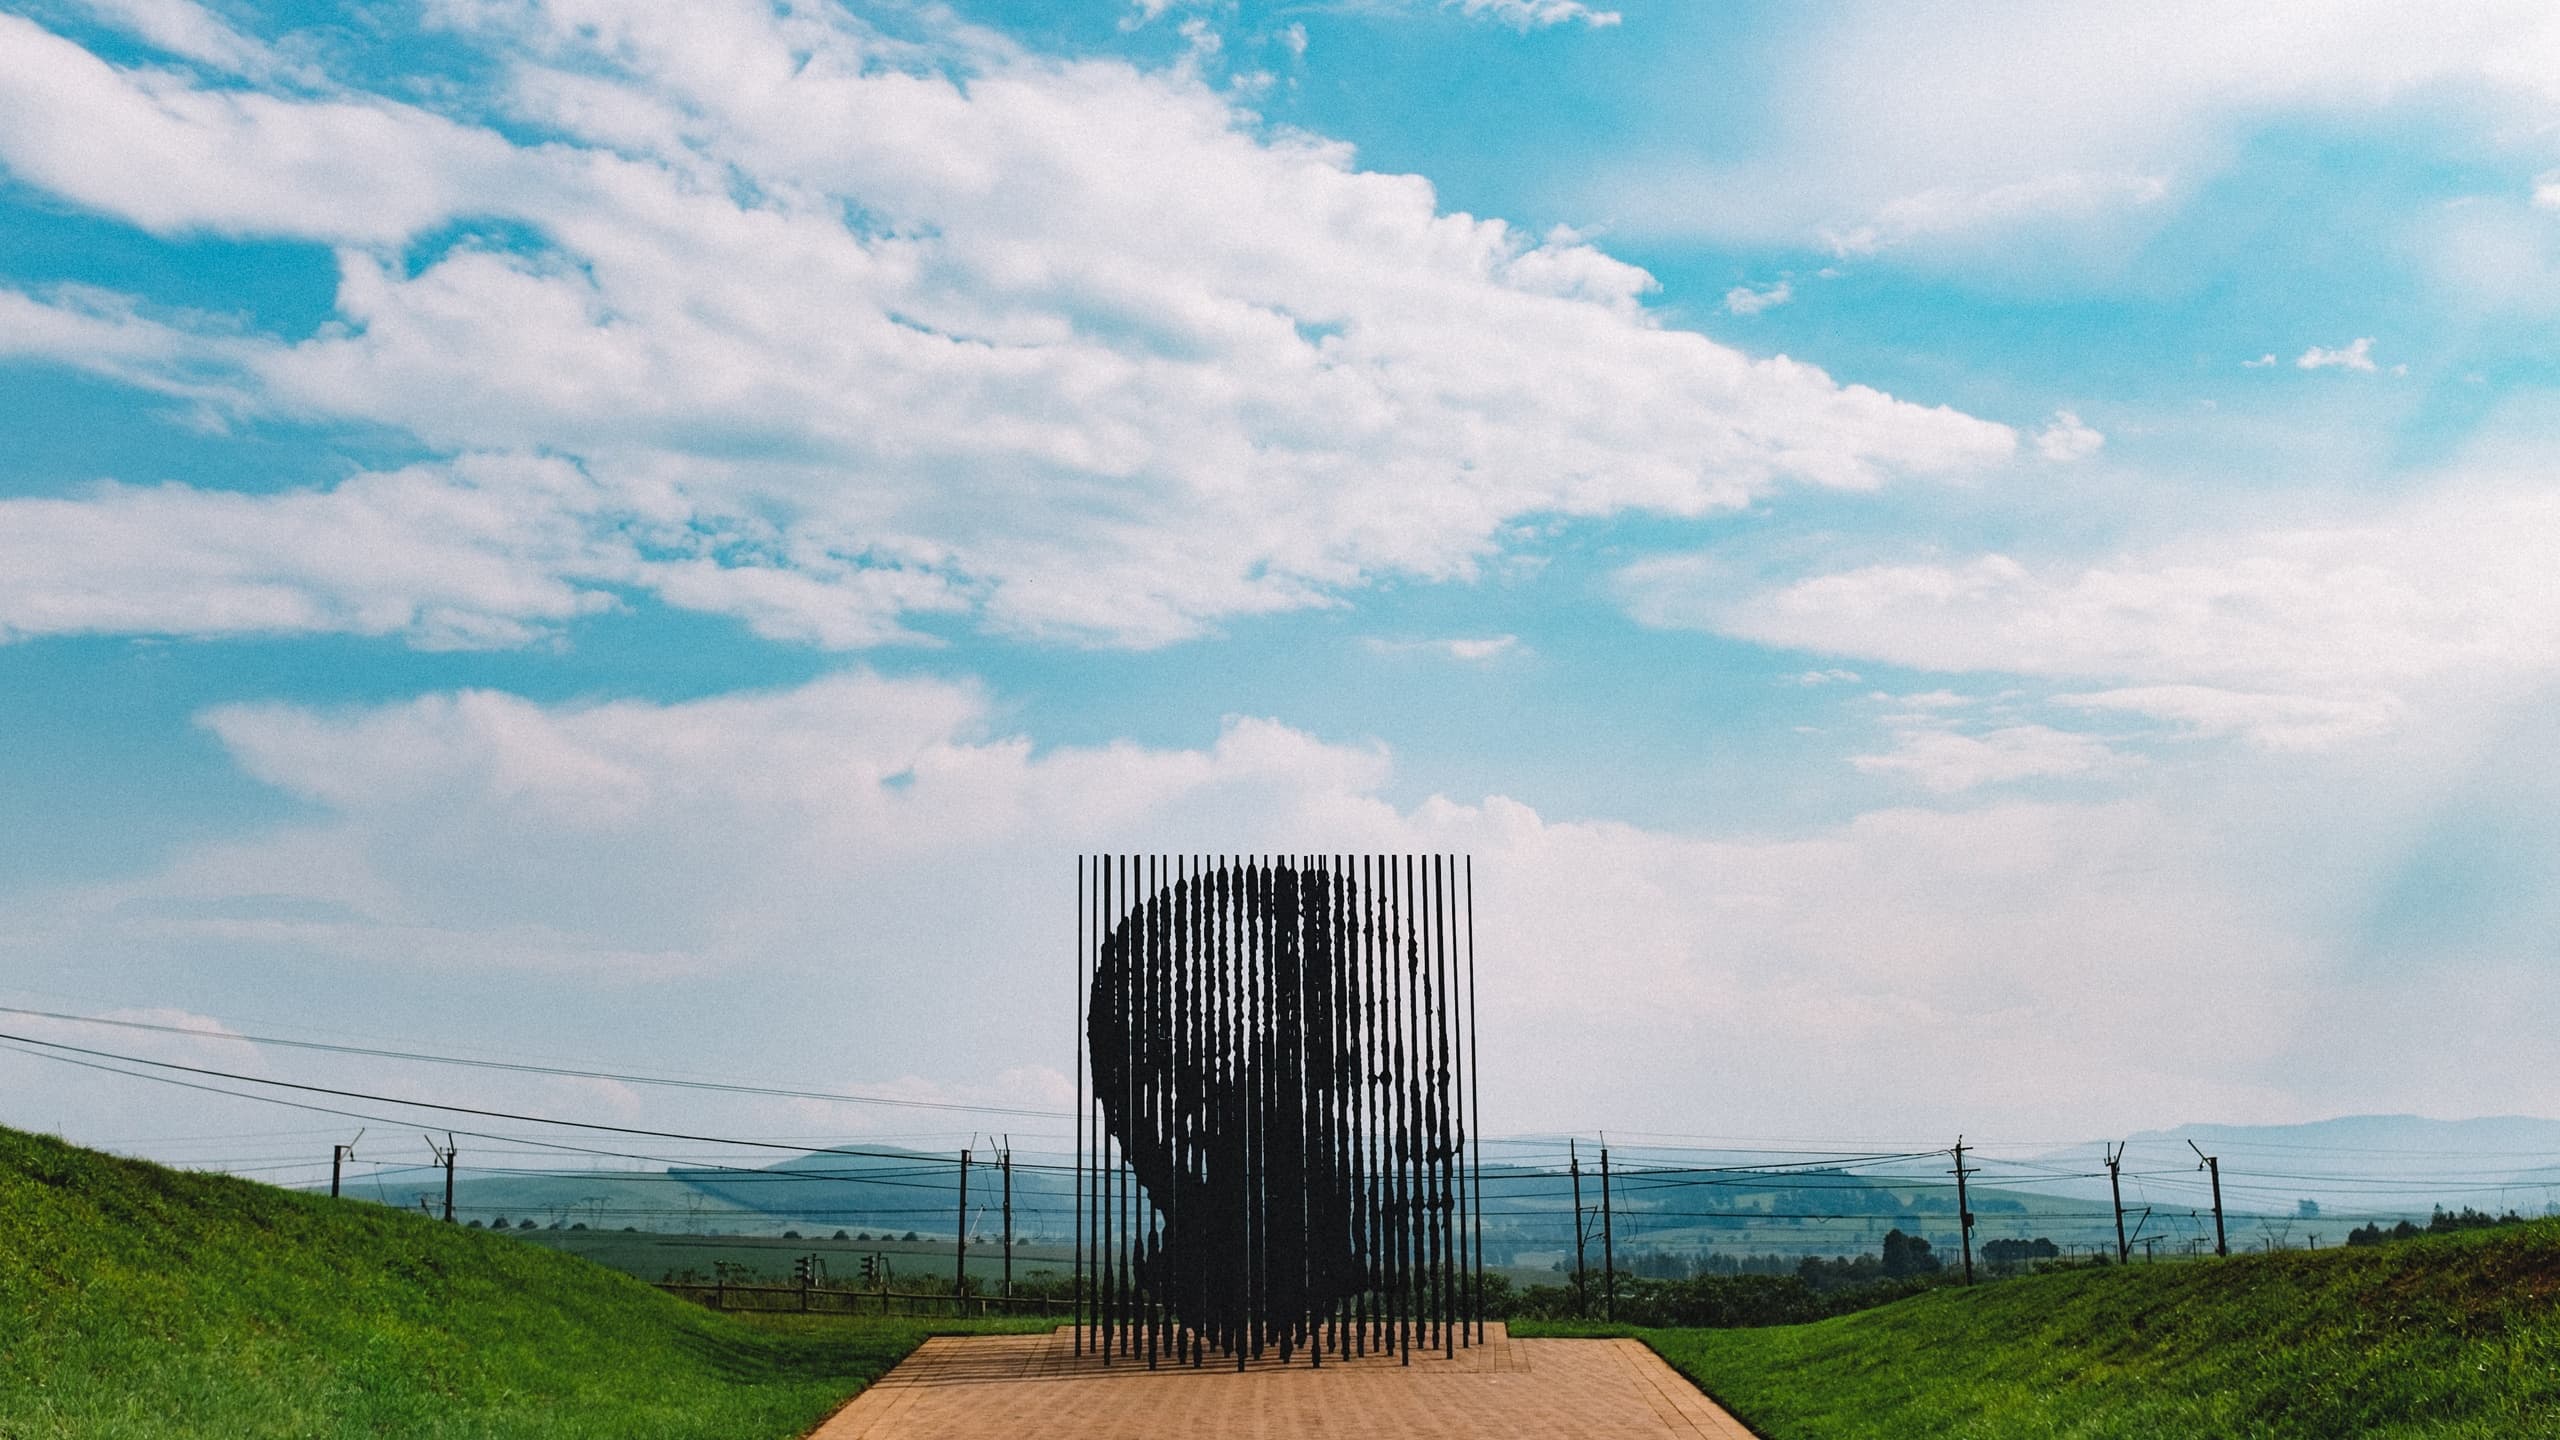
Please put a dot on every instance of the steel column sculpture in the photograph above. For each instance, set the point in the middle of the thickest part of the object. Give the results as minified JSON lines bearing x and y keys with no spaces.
{"x":1274,"y":1152}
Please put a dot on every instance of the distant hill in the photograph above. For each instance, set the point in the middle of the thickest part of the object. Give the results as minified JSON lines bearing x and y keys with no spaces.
{"x":1528,"y":1221}
{"x":137,"y":1301}
{"x":2352,"y":1168}
{"x":893,"y":1189}
{"x":2357,"y":1165}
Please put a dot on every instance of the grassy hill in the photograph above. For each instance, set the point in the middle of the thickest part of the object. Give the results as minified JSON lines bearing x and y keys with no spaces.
{"x":2446,"y":1338}
{"x":139,"y":1301}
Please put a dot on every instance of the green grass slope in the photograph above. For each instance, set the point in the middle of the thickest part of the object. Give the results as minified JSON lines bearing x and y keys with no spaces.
{"x":2453,"y":1338}
{"x":139,"y":1301}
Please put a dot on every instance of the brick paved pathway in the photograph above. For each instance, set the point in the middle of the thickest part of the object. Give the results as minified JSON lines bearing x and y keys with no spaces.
{"x":1031,"y":1387}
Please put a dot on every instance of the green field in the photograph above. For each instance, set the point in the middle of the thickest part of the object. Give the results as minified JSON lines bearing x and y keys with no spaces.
{"x":2449,"y":1338}
{"x":138,"y":1301}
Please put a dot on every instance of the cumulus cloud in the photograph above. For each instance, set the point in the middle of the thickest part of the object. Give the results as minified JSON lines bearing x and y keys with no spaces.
{"x":2291,"y":636}
{"x":841,"y":322}
{"x":2355,"y":355}
{"x":2067,"y":438}
{"x":1960,"y":211}
{"x":188,"y":30}
{"x":1487,"y":648}
{"x":1745,"y":300}
{"x":1534,"y":14}
{"x":1946,"y":762}
{"x":851,"y":845}
{"x":484,"y":552}
{"x":1965,"y":128}
{"x":1473,"y":649}
{"x":2278,"y":722}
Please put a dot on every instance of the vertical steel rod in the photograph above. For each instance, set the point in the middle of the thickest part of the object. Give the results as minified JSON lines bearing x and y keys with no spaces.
{"x":1475,"y":1096}
{"x":1076,"y":1295}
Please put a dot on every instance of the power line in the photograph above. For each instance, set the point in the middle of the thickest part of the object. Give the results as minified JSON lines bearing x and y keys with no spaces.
{"x":564,"y":1071}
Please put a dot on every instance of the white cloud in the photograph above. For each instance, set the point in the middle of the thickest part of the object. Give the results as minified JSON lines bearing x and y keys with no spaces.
{"x":1103,"y":357}
{"x":1744,"y":300}
{"x":2278,"y":722}
{"x":2261,"y":363}
{"x":2067,"y":438}
{"x":1472,"y":649}
{"x":2356,"y":355}
{"x":483,"y":552}
{"x":1488,"y":648}
{"x":1833,"y":676}
{"x":2546,"y":190}
{"x":2291,"y":636}
{"x":1145,"y":12}
{"x":1946,"y":762}
{"x":186,"y":29}
{"x":1956,"y":211}
{"x":1534,"y":14}
{"x":862,"y":845}
{"x":1963,"y":128}
{"x":156,"y":149}
{"x":1927,"y":700}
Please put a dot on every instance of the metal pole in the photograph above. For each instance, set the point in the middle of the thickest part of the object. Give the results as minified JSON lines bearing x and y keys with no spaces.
{"x":2221,"y":1246}
{"x":1964,"y":1213}
{"x":960,"y":1245}
{"x":1475,"y":1097}
{"x":1581,"y":1256}
{"x":2115,"y":1188}
{"x":1445,"y":1142}
{"x":1008,"y":1217}
{"x":1608,"y":1243}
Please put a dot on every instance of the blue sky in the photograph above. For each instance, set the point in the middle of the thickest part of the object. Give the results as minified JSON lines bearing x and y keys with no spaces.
{"x":1977,"y":567}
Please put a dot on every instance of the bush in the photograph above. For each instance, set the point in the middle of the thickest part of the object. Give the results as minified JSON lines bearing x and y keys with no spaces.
{"x":2442,"y":1222}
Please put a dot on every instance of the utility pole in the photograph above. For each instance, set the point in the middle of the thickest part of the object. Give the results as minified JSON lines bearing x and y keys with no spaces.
{"x":2115,"y":1187}
{"x":1964,"y":1213}
{"x":1581,"y":1262}
{"x":444,"y":1156}
{"x":339,"y":1155}
{"x":1608,"y":1245}
{"x":2213,"y":1163}
{"x":960,"y":1263}
{"x":1008,"y":1217}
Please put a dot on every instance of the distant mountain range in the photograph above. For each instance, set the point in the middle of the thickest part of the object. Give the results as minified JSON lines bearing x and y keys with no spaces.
{"x":2350,"y":1167}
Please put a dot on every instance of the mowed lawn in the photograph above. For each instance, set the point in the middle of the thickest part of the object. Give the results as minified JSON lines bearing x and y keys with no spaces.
{"x":139,"y":1301}
{"x":2447,"y":1338}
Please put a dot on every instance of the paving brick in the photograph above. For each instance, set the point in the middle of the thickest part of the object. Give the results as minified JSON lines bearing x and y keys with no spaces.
{"x":1034,"y":1387}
